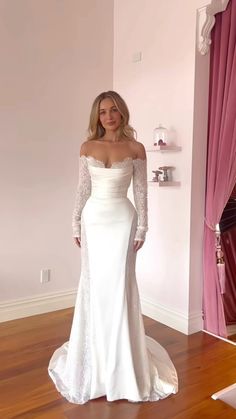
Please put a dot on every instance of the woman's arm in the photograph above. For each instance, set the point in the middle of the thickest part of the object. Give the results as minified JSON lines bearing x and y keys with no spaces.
{"x":140,"y":194}
{"x":82,"y":194}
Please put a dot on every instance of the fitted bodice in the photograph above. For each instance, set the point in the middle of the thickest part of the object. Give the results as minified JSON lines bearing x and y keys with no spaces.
{"x":100,"y":183}
{"x":112,"y":182}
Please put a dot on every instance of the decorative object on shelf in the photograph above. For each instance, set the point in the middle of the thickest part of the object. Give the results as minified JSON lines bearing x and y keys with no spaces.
{"x":163,"y":175}
{"x":157,"y":173}
{"x":160,"y":136}
{"x":167,"y":172}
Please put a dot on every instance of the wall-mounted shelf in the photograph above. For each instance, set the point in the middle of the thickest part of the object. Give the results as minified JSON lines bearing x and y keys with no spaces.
{"x":162,"y":183}
{"x":165,"y":174}
{"x":164,"y":148}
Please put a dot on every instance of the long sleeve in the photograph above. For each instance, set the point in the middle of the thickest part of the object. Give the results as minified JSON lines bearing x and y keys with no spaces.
{"x":140,"y":197}
{"x":82,"y":194}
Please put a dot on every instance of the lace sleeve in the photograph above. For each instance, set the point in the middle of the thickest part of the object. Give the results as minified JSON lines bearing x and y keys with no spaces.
{"x":82,"y":194}
{"x":140,"y":197}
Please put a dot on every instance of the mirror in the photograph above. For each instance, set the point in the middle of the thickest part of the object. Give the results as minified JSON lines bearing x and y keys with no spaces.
{"x":228,"y":243}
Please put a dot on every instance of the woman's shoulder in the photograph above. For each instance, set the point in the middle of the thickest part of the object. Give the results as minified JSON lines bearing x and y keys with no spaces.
{"x":87,"y":146}
{"x":138,"y":149}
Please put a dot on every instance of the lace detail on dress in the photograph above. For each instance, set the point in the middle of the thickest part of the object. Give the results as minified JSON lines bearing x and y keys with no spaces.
{"x":114,"y":165}
{"x":70,"y":365}
{"x":123,"y":163}
{"x":140,"y":197}
{"x":82,"y":384}
{"x":82,"y":194}
{"x":95,"y":162}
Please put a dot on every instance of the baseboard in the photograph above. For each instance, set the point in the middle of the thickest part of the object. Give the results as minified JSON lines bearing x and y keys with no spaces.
{"x":220,"y":337}
{"x":176,"y":320}
{"x":44,"y":303}
{"x":195,"y":323}
{"x":220,"y":393}
{"x":231,"y":329}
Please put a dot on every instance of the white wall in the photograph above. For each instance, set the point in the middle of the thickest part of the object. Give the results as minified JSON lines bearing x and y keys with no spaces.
{"x":160,"y":89}
{"x":56,"y":56}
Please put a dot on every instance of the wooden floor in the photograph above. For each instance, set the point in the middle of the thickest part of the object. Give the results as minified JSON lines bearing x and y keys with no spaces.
{"x":204,"y":364}
{"x":233,"y":338}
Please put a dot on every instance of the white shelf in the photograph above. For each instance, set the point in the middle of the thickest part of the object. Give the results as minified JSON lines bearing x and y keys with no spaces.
{"x":164,"y":148}
{"x":163,"y":183}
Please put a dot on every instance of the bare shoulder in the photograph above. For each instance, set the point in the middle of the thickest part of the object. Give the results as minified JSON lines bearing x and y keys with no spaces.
{"x":139,"y":150}
{"x":86,"y":147}
{"x":83,"y":149}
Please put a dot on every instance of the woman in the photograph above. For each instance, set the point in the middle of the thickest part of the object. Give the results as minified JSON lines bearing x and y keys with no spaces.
{"x":108,"y":353}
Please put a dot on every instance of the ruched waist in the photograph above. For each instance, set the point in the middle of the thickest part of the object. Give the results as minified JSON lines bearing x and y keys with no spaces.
{"x":99,"y":193}
{"x":108,"y":183}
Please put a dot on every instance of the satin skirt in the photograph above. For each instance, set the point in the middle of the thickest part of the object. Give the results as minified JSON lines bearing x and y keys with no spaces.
{"x":108,"y":353}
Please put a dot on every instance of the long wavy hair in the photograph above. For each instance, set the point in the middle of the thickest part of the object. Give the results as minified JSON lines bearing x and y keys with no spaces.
{"x":96,"y":129}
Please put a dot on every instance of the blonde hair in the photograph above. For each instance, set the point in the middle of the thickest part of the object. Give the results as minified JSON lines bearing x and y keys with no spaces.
{"x":95,"y":128}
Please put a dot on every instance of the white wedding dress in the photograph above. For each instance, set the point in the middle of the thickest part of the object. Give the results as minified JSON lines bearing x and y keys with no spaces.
{"x":108,"y":353}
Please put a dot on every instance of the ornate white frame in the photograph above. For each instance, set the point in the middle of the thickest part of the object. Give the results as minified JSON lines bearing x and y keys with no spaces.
{"x":205,"y":23}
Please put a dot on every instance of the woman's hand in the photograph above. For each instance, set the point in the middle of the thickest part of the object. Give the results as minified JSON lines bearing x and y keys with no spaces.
{"x":77,"y":241}
{"x":138,"y":244}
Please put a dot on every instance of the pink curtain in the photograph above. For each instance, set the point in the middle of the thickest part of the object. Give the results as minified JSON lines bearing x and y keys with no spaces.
{"x":221,"y":158}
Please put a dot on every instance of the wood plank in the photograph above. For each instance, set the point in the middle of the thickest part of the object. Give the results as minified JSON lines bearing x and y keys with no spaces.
{"x":232,"y":337}
{"x":204,"y":365}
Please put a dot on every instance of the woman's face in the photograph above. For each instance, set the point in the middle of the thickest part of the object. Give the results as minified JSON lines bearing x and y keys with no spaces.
{"x":109,"y":115}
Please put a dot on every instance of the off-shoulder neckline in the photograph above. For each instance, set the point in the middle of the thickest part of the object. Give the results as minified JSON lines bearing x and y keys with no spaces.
{"x":114,"y":162}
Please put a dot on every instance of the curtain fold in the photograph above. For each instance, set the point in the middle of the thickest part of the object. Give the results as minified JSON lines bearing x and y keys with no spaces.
{"x":221,"y":156}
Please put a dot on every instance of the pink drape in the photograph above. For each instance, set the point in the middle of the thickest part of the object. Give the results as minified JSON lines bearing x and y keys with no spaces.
{"x":221,"y":159}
